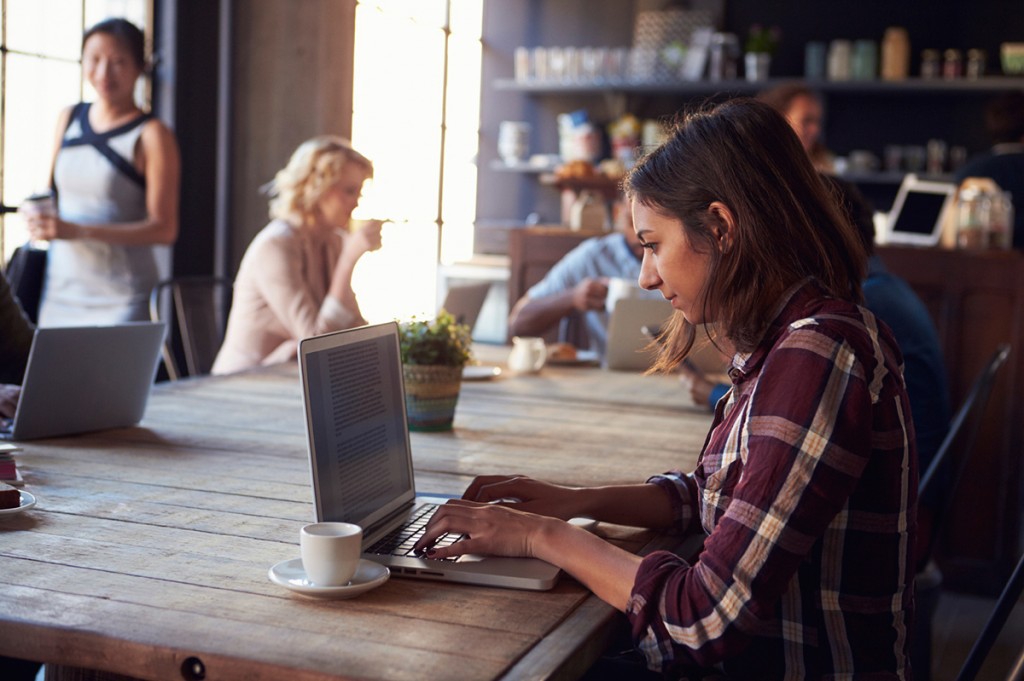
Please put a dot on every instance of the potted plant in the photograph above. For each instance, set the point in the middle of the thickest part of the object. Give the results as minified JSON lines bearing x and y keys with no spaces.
{"x":760,"y":46}
{"x":433,"y":355}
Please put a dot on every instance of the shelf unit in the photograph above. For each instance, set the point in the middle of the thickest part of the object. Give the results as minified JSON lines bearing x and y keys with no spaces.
{"x":620,"y":96}
{"x":988,"y":85}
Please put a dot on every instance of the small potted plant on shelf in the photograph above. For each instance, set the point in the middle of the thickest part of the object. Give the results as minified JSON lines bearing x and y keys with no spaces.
{"x":760,"y":46}
{"x":433,"y":355}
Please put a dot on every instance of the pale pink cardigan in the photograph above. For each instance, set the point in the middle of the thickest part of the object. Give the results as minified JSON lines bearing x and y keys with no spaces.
{"x":280,"y":296}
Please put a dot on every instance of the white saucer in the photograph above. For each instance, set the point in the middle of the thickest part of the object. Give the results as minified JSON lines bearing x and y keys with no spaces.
{"x":291,"y":575}
{"x":28,"y":500}
{"x":480,"y":373}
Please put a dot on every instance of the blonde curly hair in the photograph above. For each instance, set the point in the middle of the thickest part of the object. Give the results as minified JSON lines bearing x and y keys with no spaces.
{"x":312,"y":169}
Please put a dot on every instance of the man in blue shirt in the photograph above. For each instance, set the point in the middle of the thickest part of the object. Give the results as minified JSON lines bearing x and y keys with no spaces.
{"x":579,"y":283}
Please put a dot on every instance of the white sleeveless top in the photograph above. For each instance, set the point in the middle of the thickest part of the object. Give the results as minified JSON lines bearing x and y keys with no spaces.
{"x":87,"y":281}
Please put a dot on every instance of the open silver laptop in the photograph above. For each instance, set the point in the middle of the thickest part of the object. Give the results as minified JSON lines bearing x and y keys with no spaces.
{"x":361,"y":459}
{"x":84,"y":378}
{"x":465,"y":301}
{"x":628,"y":347}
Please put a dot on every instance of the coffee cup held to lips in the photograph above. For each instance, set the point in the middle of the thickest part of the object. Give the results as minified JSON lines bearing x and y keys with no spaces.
{"x":620,"y":288}
{"x":330,"y":552}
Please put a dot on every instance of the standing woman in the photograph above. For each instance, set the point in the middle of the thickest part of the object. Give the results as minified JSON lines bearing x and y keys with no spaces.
{"x":806,"y":485}
{"x":116,"y":172}
{"x":295,"y":279}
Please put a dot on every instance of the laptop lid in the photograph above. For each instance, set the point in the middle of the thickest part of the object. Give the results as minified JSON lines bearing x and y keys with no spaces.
{"x":361,"y":458}
{"x":918,"y":211}
{"x":465,"y":301}
{"x":86,"y":378}
{"x":628,"y":346}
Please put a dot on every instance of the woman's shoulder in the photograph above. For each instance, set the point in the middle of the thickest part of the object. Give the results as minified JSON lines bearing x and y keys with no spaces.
{"x":156,"y":132}
{"x":835,"y":328}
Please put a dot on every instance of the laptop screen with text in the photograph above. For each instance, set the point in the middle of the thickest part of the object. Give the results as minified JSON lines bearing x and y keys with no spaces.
{"x":357,"y":428}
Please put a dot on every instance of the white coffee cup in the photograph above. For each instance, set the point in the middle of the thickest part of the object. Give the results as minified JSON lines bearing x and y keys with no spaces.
{"x":330,"y":552}
{"x":620,"y":288}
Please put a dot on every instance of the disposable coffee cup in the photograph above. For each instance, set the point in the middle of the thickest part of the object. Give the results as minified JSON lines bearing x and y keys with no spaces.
{"x":330,"y":552}
{"x":43,"y":203}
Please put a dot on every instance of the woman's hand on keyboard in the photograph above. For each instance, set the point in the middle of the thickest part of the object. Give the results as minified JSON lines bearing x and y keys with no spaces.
{"x":491,"y":529}
{"x":526,"y":494}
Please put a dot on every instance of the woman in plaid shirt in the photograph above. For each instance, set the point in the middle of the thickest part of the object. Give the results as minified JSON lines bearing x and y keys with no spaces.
{"x":807,"y":484}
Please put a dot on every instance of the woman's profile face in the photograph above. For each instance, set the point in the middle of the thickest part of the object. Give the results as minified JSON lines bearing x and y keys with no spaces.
{"x":804,"y":115}
{"x":336,"y":203}
{"x":670,"y":263}
{"x":109,"y":67}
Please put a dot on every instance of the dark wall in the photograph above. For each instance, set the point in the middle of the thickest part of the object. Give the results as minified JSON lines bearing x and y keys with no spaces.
{"x":187,"y":43}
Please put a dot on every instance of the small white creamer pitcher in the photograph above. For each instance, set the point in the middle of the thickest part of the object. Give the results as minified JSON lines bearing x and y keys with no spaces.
{"x":528,"y":354}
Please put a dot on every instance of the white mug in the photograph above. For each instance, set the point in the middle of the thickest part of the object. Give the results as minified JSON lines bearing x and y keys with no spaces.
{"x":330,"y":552}
{"x":620,"y":288}
{"x":528,"y":354}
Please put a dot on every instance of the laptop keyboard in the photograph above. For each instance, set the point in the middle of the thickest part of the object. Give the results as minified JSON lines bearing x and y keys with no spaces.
{"x":400,"y":542}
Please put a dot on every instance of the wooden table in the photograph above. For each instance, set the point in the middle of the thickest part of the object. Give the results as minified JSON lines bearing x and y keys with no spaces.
{"x":148,"y":551}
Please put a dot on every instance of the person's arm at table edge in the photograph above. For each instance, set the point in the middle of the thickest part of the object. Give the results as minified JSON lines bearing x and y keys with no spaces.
{"x":534,"y":316}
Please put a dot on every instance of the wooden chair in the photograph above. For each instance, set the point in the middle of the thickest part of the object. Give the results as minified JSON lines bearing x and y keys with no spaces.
{"x":943,"y":476}
{"x":197,"y":308}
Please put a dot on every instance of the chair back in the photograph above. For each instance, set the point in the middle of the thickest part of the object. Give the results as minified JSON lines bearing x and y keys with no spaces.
{"x":198,"y":307}
{"x":1000,"y":613}
{"x":966,"y":422}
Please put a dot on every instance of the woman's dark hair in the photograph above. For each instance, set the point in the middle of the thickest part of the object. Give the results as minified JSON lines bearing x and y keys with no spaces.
{"x":127,"y":33}
{"x":787,"y":225}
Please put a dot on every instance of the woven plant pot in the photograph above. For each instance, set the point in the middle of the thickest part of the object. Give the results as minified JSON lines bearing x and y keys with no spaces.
{"x":431,"y":393}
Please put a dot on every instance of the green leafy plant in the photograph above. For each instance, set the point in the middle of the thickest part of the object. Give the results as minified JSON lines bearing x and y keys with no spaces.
{"x":763,"y":39}
{"x":440,"y":341}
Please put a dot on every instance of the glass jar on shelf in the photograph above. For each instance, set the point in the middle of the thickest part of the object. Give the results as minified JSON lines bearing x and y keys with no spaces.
{"x":972,"y":218}
{"x":931,"y":64}
{"x":1000,"y":221}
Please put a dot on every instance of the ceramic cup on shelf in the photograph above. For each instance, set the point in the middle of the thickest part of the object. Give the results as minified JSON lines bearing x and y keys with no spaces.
{"x":330,"y":552}
{"x":513,"y":141}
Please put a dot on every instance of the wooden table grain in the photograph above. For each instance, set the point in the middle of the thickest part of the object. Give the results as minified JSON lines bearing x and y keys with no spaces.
{"x":147,"y":553}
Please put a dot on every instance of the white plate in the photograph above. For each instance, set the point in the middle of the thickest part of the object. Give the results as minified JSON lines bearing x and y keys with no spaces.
{"x":583,"y":358}
{"x":291,"y":575}
{"x":480,"y":373}
{"x":28,"y":500}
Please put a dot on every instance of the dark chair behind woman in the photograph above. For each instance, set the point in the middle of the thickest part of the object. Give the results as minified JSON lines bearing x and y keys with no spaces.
{"x":198,"y":308}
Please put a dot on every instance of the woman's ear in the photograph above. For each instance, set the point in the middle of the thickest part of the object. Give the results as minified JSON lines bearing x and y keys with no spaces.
{"x":725,"y":225}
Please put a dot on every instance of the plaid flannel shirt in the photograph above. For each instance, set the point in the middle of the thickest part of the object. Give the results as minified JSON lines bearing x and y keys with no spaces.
{"x":807,"y":489}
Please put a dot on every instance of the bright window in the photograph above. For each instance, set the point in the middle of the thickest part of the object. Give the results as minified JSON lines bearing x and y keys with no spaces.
{"x":416,"y":113}
{"x":40,"y":74}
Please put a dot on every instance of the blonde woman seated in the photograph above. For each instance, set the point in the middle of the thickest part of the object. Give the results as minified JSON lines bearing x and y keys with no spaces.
{"x":295,"y":279}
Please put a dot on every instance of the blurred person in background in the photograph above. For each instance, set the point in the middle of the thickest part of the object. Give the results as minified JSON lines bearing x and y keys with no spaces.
{"x":116,"y":175}
{"x":578,"y":283}
{"x":1004,"y":162}
{"x":802,"y":108}
{"x":295,"y":279}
